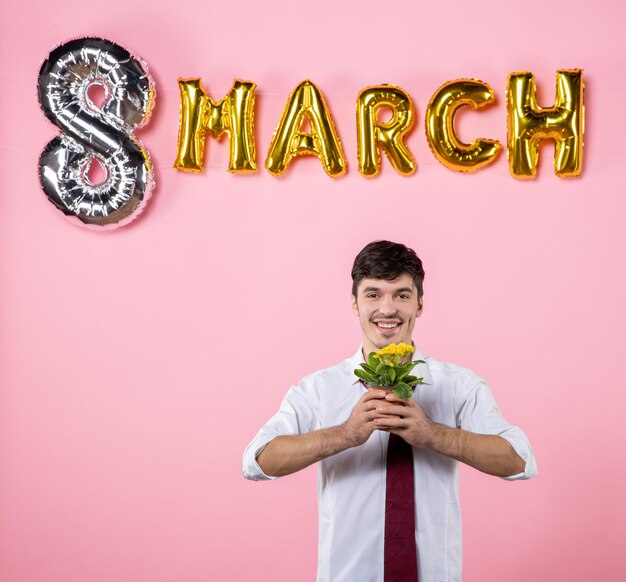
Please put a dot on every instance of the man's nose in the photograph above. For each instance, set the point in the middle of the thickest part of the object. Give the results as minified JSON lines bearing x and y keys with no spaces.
{"x":386,"y":306}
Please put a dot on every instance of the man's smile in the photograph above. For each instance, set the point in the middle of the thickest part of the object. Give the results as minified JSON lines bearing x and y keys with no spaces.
{"x":387,"y":324}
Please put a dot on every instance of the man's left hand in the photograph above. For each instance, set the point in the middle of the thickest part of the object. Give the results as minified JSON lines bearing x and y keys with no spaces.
{"x":486,"y":452}
{"x":406,"y":419}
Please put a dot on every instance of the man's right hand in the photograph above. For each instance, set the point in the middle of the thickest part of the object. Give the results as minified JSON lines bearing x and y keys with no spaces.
{"x":360,"y":423}
{"x":287,"y":454}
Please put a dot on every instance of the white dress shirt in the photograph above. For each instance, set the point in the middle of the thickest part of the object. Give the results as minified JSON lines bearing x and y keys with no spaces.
{"x":351,"y":484}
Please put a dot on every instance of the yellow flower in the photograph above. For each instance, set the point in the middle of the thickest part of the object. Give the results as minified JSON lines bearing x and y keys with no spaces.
{"x":404,"y":349}
{"x":400,"y":349}
{"x":387,"y":350}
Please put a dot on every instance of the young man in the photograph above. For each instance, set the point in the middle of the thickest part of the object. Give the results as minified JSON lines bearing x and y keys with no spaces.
{"x":362,"y":438}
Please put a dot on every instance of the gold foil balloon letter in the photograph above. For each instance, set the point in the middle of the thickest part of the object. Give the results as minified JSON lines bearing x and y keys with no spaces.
{"x":233,"y":115}
{"x":440,"y":129}
{"x":289,"y":140}
{"x":390,"y":135}
{"x":528,"y":124}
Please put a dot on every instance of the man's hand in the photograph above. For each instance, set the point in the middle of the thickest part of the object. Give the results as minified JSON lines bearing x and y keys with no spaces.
{"x":488,"y":453}
{"x":404,"y":418}
{"x":360,"y":424}
{"x":290,"y":453}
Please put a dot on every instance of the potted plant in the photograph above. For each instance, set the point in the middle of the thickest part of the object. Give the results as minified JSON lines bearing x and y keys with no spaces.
{"x":386,"y":369}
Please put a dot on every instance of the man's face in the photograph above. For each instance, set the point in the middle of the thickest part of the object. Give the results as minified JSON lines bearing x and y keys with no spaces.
{"x":387,"y":311}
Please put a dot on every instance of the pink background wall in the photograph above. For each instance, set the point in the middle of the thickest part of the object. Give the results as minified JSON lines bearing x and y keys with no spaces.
{"x":136,"y":365}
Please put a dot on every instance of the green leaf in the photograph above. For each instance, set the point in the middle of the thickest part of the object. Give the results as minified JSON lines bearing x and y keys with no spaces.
{"x":403,"y":391}
{"x":412,"y":380}
{"x":371,"y":360}
{"x":402,"y":371}
{"x":367,"y":378}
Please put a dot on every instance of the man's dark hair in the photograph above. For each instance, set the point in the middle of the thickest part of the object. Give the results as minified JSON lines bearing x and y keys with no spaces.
{"x":387,"y":260}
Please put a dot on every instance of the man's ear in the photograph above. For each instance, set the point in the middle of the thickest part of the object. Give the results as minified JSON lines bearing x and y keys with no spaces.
{"x":355,"y":307}
{"x":420,"y":307}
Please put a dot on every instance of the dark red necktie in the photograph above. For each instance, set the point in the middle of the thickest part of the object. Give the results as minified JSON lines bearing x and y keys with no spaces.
{"x":400,"y":550}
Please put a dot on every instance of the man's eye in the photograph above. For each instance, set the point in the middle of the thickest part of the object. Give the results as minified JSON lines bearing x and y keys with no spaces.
{"x":403,"y":296}
{"x":372,"y":295}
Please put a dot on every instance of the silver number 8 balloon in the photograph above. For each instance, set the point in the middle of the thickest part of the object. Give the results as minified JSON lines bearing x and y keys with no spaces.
{"x":96,"y":132}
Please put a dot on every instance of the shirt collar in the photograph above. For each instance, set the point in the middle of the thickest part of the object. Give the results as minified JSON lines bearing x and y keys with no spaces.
{"x":421,"y":370}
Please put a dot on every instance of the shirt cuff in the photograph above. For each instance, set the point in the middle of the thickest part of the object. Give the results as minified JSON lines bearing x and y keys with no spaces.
{"x":251,"y":468}
{"x":524,"y":451}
